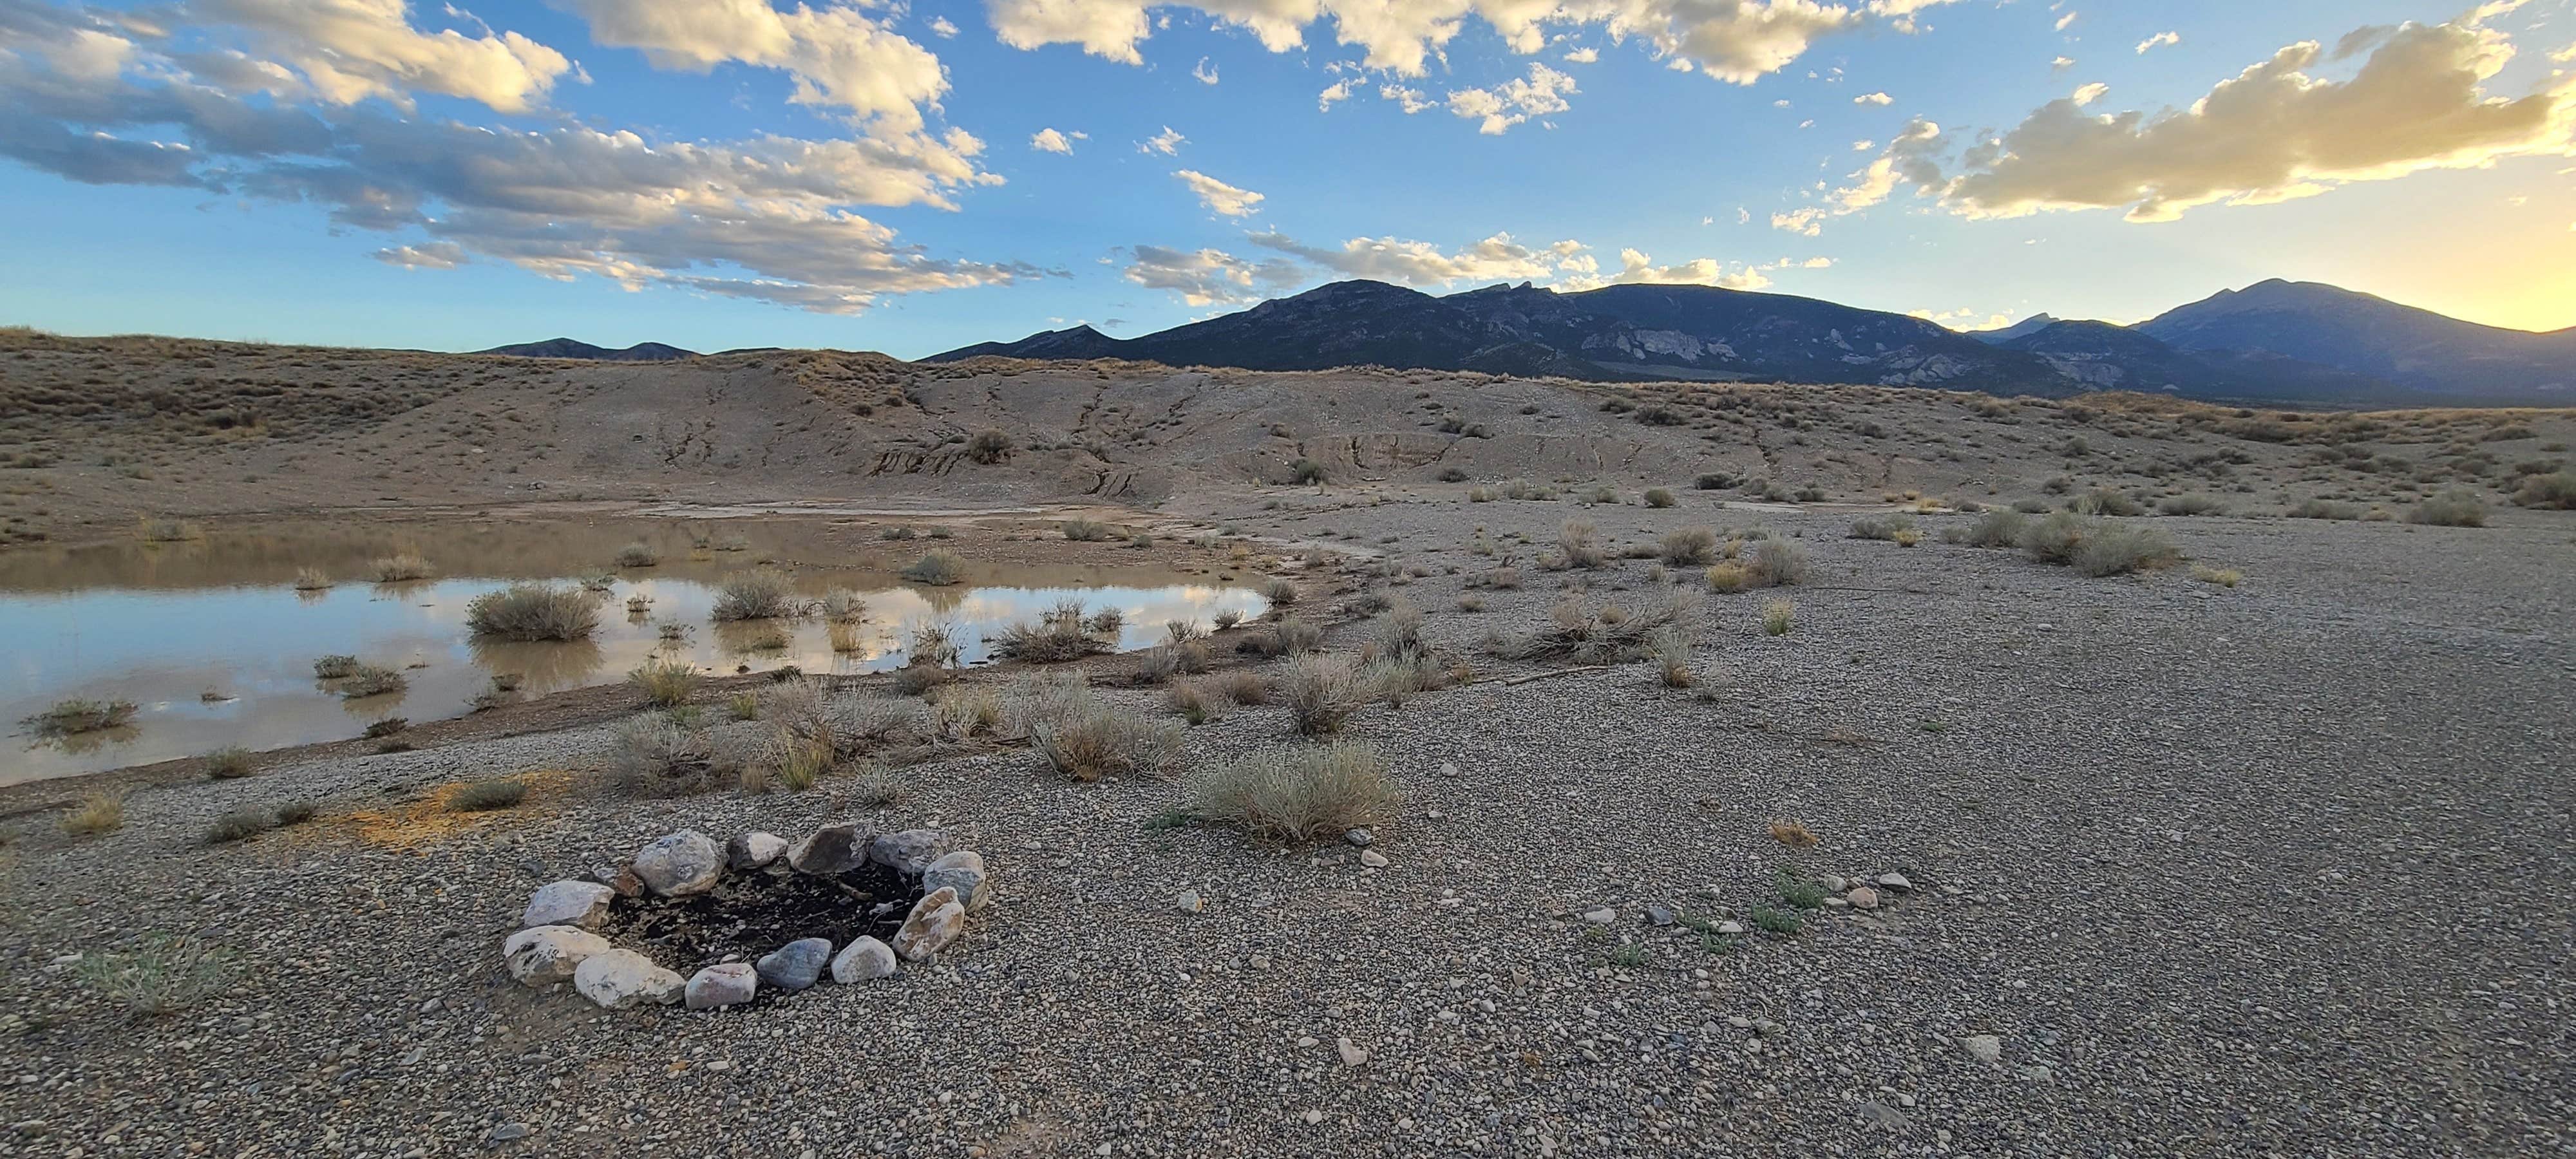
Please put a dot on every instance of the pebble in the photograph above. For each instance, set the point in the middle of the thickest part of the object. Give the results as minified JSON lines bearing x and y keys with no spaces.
{"x":1894,"y":881}
{"x":1352,"y":1055}
{"x":1985,"y":1048}
{"x":1863,"y":897}
{"x":1373,"y":859}
{"x":1189,"y":902}
{"x":1602,"y":917}
{"x":1360,"y":837}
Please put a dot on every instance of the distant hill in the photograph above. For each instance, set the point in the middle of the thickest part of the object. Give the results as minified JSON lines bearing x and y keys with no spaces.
{"x":1616,"y":333}
{"x":2108,"y":357}
{"x":2374,"y":337}
{"x":568,"y":348}
{"x":2028,"y":325}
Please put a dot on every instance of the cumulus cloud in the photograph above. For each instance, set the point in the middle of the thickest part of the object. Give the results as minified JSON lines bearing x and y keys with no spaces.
{"x":2158,"y":40}
{"x":1168,"y":143}
{"x":1499,"y":108}
{"x":1418,"y":263}
{"x":1049,"y":141}
{"x":1339,"y":90}
{"x":1219,"y":197}
{"x":1873,"y":99}
{"x":1410,"y":100}
{"x":1585,"y":55}
{"x":2274,"y":132}
{"x":1210,"y":277}
{"x":941,"y":27}
{"x":1738,"y":41}
{"x":837,"y":56}
{"x":1636,"y":267}
{"x":350,"y":50}
{"x":1204,"y":72}
{"x":771,"y":218}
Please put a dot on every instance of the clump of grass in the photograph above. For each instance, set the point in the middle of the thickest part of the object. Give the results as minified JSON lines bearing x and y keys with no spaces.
{"x":1577,"y":545}
{"x":2190,"y":505}
{"x":400,"y":567}
{"x":1778,"y":617}
{"x":1777,"y":921}
{"x":1688,"y":547}
{"x":369,"y":680}
{"x":796,"y":763}
{"x":874,"y":786}
{"x":989,"y":446}
{"x":664,"y":683}
{"x":755,"y":595}
{"x":533,"y":611}
{"x":2225,"y":577}
{"x":1797,"y":890}
{"x":938,"y":568}
{"x":380,"y":729}
{"x":844,"y":638}
{"x":1306,"y":471}
{"x":2096,"y":547}
{"x":241,"y":824}
{"x":1778,"y":563}
{"x":1673,"y":659}
{"x":1659,"y":497}
{"x":653,"y":756}
{"x":966,"y":712}
{"x":486,"y":795}
{"x":638,"y":554}
{"x":1792,"y":833}
{"x":167,"y":530}
{"x":97,"y":813}
{"x":164,"y":975}
{"x":2554,"y":490}
{"x":2106,"y":501}
{"x":1279,"y":592}
{"x":1296,"y":794}
{"x":1578,"y":635}
{"x":2001,"y":527}
{"x":1286,"y":636}
{"x":1321,"y":691}
{"x":311,"y":579}
{"x":228,"y":764}
{"x":1881,"y":527}
{"x":1060,"y":634}
{"x":77,"y":716}
{"x":1086,"y":530}
{"x":1728,"y":578}
{"x":843,"y":606}
{"x":334,"y":667}
{"x":2450,"y":509}
{"x":1100,"y":742}
{"x":297,"y":812}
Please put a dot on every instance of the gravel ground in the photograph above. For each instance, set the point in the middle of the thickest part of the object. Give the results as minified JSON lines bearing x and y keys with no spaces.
{"x":2222,"y":871}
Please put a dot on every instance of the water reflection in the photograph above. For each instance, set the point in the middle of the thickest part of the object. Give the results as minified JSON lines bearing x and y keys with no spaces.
{"x":228,"y":659}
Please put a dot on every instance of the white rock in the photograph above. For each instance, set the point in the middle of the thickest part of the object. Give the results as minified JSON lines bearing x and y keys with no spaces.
{"x":568,"y":903}
{"x":547,"y":954}
{"x":1730,"y":928}
{"x":1863,"y":897}
{"x":1189,"y":902}
{"x":754,"y":850}
{"x":617,"y":979}
{"x":909,"y":852}
{"x":1894,"y":881}
{"x":862,"y":960}
{"x":1602,"y":917}
{"x":1985,"y":1048}
{"x":962,"y":871}
{"x":1372,"y":859}
{"x":724,"y":984}
{"x":935,"y":921}
{"x":1352,"y":1055}
{"x":684,"y":863}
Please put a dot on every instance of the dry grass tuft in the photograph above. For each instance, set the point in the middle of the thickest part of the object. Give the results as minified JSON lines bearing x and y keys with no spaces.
{"x":1300,"y":793}
{"x":664,"y":683}
{"x":756,"y":595}
{"x":937,"y":568}
{"x":1688,"y":547}
{"x":74,"y":717}
{"x":400,"y":567}
{"x":1321,"y":691}
{"x":486,"y":795}
{"x":531,"y":611}
{"x":96,"y":814}
{"x":1793,"y":834}
{"x":1778,"y":617}
{"x":1099,"y":741}
{"x":1583,"y":636}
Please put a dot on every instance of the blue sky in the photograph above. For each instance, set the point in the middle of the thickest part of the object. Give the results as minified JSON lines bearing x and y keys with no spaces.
{"x":719,"y":173}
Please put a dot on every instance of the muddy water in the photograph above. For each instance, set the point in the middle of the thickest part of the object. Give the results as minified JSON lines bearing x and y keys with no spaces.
{"x":214,"y":645}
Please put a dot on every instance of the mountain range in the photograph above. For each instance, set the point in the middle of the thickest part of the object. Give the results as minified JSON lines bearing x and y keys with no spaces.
{"x":569,"y":348}
{"x":2276,"y":341}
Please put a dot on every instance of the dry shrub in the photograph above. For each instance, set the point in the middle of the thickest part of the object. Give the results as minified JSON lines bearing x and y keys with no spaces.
{"x":1105,"y":742}
{"x":1778,"y":617}
{"x":487,"y":795}
{"x":2450,"y":509}
{"x":1778,"y":563}
{"x":97,"y":813}
{"x":1793,"y":834}
{"x":533,"y":611}
{"x":1577,"y":545}
{"x":843,"y":606}
{"x":400,"y":567}
{"x":964,"y":712}
{"x":74,"y":717}
{"x":369,"y":680}
{"x":1585,"y":637}
{"x":1241,"y":685}
{"x":2121,"y":548}
{"x":651,"y":756}
{"x":1688,"y":547}
{"x":937,"y":568}
{"x":664,"y":683}
{"x":1321,"y":691}
{"x":2001,"y":527}
{"x":1728,"y":578}
{"x":1059,"y":635}
{"x":638,"y":554}
{"x":1299,"y":793}
{"x":1673,"y":658}
{"x":1279,"y":592}
{"x":756,"y":595}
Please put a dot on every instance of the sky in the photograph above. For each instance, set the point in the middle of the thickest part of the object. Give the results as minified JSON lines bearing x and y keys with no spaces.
{"x":915,"y":177}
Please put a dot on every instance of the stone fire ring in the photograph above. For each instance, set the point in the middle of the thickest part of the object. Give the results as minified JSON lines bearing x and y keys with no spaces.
{"x":557,"y":940}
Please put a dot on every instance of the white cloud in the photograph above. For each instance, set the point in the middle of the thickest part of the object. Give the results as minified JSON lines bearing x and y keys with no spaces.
{"x":1050,"y":141}
{"x":1863,"y":146}
{"x":1168,"y":143}
{"x":837,"y":56}
{"x":1209,"y":277}
{"x":436,"y":255}
{"x":941,"y":28}
{"x":2273,"y":132}
{"x":1417,"y":263}
{"x":1410,"y":100}
{"x":2087,"y":94}
{"x":1499,"y":108}
{"x":1805,"y":222}
{"x":1205,"y":72}
{"x":1738,"y":41}
{"x":1586,"y":55}
{"x":1219,"y":197}
{"x":350,"y":50}
{"x":1339,"y":90}
{"x":2065,"y":20}
{"x":1636,"y":267}
{"x":2158,"y":40}
{"x":2061,"y":64}
{"x":1873,"y":99}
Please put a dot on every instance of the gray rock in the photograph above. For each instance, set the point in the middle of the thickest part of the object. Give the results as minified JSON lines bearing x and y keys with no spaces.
{"x":507,"y":1133}
{"x":935,"y":921}
{"x":1730,"y":927}
{"x":684,"y":863}
{"x":617,"y":979}
{"x":910,"y":852}
{"x":863,"y":960}
{"x":1659,"y":914}
{"x":1985,"y":1048}
{"x":1189,"y":902}
{"x":1372,"y":859}
{"x":548,"y":954}
{"x":1863,"y":897}
{"x":1360,"y":837}
{"x":1895,"y":881}
{"x":831,"y":849}
{"x":568,"y":903}
{"x":723,"y":984}
{"x":1352,"y":1055}
{"x":620,"y":878}
{"x":1601,"y":917}
{"x":796,"y":965}
{"x":962,"y":871}
{"x":754,"y":850}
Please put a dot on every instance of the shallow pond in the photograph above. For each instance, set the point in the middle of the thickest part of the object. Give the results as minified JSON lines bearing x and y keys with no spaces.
{"x":211,"y":641}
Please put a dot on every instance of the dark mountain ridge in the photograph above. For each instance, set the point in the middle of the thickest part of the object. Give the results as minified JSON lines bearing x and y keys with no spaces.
{"x":570,"y":348}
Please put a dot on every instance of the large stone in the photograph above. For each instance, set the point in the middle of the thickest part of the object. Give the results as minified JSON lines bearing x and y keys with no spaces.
{"x":684,"y":863}
{"x":723,"y":984}
{"x":935,"y":921}
{"x":831,"y":849}
{"x":548,"y":954}
{"x":753,"y":850}
{"x":962,"y":871}
{"x":568,"y":903}
{"x":796,"y":965}
{"x":617,"y":979}
{"x":862,"y":960}
{"x":910,"y":852}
